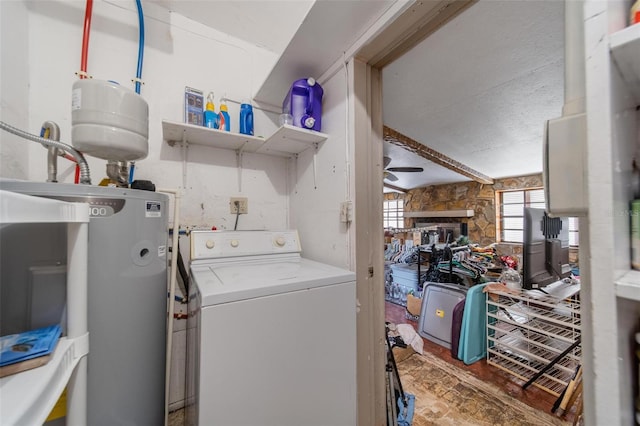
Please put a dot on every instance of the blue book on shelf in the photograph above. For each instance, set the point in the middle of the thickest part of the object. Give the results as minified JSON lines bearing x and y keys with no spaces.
{"x":30,"y":344}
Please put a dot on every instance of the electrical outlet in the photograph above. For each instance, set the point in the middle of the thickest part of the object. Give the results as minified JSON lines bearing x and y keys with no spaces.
{"x":239,"y":205}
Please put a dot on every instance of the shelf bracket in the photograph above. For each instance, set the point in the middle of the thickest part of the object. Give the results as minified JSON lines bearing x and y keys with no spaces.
{"x":295,"y":173}
{"x":239,"y":162}
{"x":315,"y":155}
{"x":184,"y":146}
{"x":244,"y":145}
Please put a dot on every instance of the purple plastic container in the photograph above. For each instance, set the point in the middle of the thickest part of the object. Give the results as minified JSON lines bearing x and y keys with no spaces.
{"x":304,"y":103}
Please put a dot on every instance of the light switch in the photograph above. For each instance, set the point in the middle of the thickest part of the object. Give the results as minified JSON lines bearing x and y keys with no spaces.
{"x":346,"y":214}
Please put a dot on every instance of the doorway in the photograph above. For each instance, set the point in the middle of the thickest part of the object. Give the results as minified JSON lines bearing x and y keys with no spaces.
{"x":409,"y":29}
{"x":415,"y":24}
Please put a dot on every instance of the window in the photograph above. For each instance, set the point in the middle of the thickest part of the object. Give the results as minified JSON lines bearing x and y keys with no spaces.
{"x":393,"y":214}
{"x":573,"y":232}
{"x":511,"y":221}
{"x":512,"y":204}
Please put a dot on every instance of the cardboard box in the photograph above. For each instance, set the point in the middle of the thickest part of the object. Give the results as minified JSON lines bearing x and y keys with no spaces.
{"x":400,"y":354}
{"x":414,"y":305}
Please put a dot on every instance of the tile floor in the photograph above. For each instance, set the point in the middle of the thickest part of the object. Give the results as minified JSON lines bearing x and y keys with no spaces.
{"x":532,"y":396}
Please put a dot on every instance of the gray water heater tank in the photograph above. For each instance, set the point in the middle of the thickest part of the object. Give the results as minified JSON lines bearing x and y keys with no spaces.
{"x":127,"y":293}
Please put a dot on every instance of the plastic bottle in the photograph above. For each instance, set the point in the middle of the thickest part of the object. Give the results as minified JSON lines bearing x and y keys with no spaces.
{"x":304,"y":103}
{"x":224,"y":121}
{"x":210,"y":116}
{"x":634,"y":16}
{"x":246,"y":118}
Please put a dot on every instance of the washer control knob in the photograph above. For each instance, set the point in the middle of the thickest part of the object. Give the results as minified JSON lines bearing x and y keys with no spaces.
{"x":280,"y":241}
{"x":234,"y":243}
{"x":209,"y":244}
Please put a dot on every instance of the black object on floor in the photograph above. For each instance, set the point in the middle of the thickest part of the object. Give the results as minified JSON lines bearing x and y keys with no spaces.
{"x":456,"y":327}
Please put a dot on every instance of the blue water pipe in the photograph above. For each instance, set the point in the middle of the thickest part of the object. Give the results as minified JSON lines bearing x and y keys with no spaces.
{"x":139,"y":70}
{"x":140,"y":46}
{"x":132,"y":168}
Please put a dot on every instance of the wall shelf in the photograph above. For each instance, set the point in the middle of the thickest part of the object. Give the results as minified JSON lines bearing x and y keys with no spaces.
{"x":628,"y":286}
{"x":29,"y":396}
{"x":625,"y":49}
{"x":290,"y":140}
{"x":19,"y":208}
{"x":440,"y":213}
{"x":285,"y":142}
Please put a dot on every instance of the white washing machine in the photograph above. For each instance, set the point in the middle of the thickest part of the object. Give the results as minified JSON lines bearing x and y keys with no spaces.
{"x":271,"y":335}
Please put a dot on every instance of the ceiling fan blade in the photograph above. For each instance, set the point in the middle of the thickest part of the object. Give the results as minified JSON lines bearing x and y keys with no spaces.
{"x":386,"y":161}
{"x":390,"y":176}
{"x":406,"y":169}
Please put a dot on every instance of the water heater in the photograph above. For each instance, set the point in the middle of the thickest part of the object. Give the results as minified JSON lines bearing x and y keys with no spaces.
{"x":109,"y":121}
{"x":127,"y":293}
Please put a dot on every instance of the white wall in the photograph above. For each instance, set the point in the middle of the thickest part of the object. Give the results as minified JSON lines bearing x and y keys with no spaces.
{"x":14,"y":87}
{"x":178,"y":53}
{"x":316,"y":197}
{"x":41,"y":47}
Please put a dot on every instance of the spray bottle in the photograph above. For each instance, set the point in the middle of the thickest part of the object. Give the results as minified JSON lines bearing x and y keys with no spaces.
{"x":210,"y":116}
{"x":224,"y":121}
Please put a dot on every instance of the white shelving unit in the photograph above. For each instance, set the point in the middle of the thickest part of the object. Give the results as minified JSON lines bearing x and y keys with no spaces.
{"x":287,"y":141}
{"x":628,"y":286}
{"x":625,"y":51}
{"x":525,"y":331}
{"x":610,"y":289}
{"x":28,"y":397}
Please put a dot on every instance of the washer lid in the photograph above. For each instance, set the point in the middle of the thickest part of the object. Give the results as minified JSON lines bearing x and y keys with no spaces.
{"x":223,"y":283}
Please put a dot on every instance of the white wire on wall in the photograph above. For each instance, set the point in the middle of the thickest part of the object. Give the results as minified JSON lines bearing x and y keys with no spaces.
{"x":347,"y":129}
{"x":347,"y":153}
{"x":172,"y":293}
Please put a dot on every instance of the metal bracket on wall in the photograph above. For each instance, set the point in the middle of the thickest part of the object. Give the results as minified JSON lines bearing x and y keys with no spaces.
{"x":239,"y":162}
{"x":315,"y":164}
{"x":184,"y":146}
{"x":295,"y":173}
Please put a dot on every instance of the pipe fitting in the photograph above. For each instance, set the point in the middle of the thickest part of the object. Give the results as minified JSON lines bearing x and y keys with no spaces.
{"x":52,"y":131}
{"x":85,"y":175}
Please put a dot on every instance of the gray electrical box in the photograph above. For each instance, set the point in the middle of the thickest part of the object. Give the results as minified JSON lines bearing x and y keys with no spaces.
{"x":564,"y":170}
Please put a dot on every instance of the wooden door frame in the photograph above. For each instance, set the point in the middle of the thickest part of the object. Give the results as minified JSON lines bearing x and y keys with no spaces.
{"x":365,"y":102}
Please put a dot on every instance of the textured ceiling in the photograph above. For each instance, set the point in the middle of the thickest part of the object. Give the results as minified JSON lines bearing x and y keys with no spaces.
{"x":479,"y":90}
{"x":266,"y":23}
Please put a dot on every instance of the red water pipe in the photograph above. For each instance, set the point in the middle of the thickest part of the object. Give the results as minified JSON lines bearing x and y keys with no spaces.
{"x":85,"y":39}
{"x":83,"y":58}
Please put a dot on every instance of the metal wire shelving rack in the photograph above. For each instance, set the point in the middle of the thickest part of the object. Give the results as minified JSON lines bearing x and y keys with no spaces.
{"x":527,"y":331}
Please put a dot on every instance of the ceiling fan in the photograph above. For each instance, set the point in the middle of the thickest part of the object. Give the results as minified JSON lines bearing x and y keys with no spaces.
{"x":388,"y":175}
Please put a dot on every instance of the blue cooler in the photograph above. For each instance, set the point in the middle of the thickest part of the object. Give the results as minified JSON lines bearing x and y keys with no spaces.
{"x":405,"y":275}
